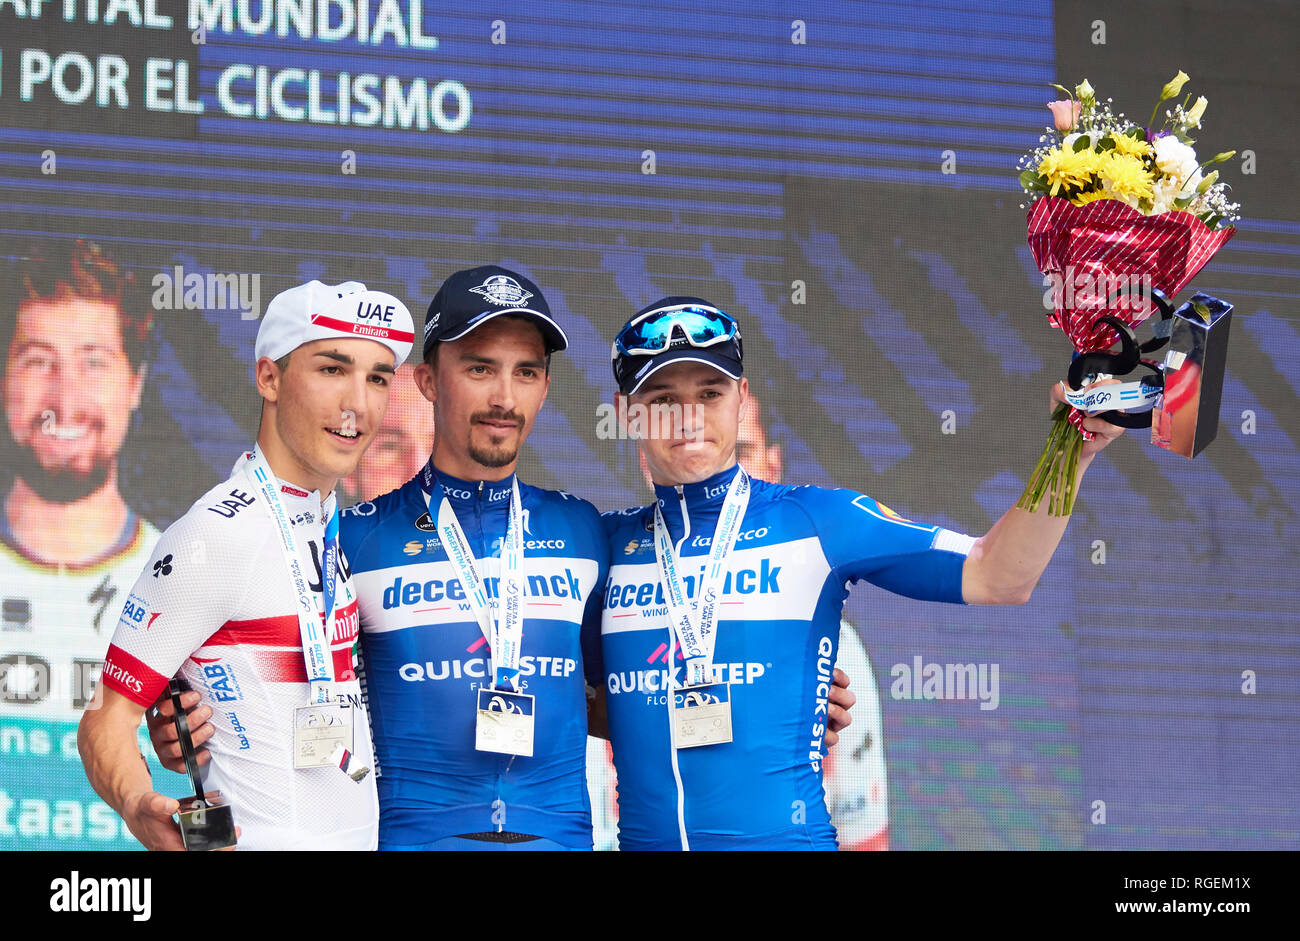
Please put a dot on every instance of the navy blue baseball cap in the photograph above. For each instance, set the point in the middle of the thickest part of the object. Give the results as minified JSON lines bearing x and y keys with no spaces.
{"x":673,"y":330}
{"x":472,"y":297}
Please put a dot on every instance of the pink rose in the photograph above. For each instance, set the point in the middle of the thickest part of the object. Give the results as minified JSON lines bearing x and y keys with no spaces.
{"x":1065,"y":114}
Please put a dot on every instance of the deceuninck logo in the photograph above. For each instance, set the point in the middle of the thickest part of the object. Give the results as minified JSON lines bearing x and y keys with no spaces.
{"x":105,"y":894}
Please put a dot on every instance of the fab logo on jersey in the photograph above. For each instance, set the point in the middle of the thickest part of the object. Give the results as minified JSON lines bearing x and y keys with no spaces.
{"x":220,"y":680}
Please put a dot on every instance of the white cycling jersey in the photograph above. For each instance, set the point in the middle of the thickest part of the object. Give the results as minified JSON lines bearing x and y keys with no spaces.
{"x":56,"y":619}
{"x":215,"y":603}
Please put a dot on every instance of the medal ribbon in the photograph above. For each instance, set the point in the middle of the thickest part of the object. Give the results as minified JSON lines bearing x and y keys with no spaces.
{"x":694,"y":620}
{"x":504,"y":632}
{"x":314,"y":625}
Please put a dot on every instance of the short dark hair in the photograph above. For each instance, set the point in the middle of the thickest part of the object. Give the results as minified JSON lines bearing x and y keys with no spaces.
{"x":82,"y":268}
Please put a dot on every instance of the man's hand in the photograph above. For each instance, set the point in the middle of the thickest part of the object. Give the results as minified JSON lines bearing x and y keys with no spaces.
{"x":1106,"y":432}
{"x":162,"y":730}
{"x":148,"y":815}
{"x":837,"y":712}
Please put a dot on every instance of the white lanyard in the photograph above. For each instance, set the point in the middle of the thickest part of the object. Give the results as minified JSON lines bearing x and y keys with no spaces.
{"x":314,"y":630}
{"x":504,"y":634}
{"x":699,"y":637}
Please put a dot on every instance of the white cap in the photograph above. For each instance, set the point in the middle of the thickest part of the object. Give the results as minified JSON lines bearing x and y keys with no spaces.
{"x":316,"y":311}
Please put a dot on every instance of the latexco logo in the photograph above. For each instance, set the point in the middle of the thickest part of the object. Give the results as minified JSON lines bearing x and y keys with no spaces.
{"x":75,"y":894}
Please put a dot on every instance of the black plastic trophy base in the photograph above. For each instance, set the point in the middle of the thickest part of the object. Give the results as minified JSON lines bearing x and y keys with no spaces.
{"x":207,"y":824}
{"x":207,"y":821}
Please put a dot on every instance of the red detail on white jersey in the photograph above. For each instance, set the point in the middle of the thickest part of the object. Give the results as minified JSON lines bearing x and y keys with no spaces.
{"x":131,"y":677}
{"x":232,"y":634}
{"x":293,"y":491}
{"x":258,"y":632}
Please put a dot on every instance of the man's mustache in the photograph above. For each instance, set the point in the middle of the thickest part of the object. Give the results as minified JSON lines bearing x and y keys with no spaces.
{"x":498,"y":416}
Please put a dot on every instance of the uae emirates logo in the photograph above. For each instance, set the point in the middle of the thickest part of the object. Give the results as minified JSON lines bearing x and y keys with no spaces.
{"x":502,"y":291}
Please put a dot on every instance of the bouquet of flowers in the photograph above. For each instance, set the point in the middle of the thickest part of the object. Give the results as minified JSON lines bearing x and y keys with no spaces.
{"x":1115,"y":210}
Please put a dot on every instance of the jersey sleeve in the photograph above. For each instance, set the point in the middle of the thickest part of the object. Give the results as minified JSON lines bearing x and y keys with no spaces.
{"x":191,"y":585}
{"x":866,"y":540}
{"x":593,"y":661}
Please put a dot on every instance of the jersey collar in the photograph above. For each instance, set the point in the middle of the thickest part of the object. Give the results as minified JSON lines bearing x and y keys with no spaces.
{"x":703,"y":499}
{"x":465,"y":493}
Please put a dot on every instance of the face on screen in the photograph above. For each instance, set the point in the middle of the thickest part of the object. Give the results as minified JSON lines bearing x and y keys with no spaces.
{"x":69,"y":394}
{"x":692,"y":414}
{"x":760,"y":459}
{"x":402,"y":444}
{"x":329,"y":404}
{"x":487,"y":390}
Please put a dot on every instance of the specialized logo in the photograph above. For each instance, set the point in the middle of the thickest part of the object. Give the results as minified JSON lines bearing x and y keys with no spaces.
{"x":502,"y":290}
{"x":163,"y":566}
{"x":16,"y":614}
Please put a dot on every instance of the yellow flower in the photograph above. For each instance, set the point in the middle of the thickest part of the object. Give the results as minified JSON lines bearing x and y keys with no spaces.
{"x":1084,"y":198}
{"x":1130,"y":146}
{"x":1173,"y":86}
{"x":1125,"y":177}
{"x":1065,"y":168}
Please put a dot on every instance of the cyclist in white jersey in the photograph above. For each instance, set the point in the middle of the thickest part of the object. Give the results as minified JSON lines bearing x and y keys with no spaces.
{"x":237,"y":590}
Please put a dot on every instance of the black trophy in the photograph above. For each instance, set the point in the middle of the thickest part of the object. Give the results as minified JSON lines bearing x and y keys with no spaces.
{"x":1185,"y":416}
{"x":207,"y":821}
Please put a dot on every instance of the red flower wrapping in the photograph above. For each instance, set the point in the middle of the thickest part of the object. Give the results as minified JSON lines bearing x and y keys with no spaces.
{"x":1087,"y":250}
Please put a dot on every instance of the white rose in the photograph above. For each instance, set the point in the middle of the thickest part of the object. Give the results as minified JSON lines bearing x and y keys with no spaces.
{"x":1175,"y":158}
{"x":1163,"y":194}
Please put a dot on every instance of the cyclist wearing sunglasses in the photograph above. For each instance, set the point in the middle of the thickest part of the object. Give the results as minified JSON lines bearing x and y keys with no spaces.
{"x":722,"y":609}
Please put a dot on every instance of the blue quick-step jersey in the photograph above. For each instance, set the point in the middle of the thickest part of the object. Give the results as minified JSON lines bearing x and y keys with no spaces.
{"x":424,"y":656}
{"x":787,"y":578}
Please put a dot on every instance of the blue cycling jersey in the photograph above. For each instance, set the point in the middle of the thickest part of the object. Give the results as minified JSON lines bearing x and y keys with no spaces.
{"x":787,"y":578}
{"x":424,"y":656}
